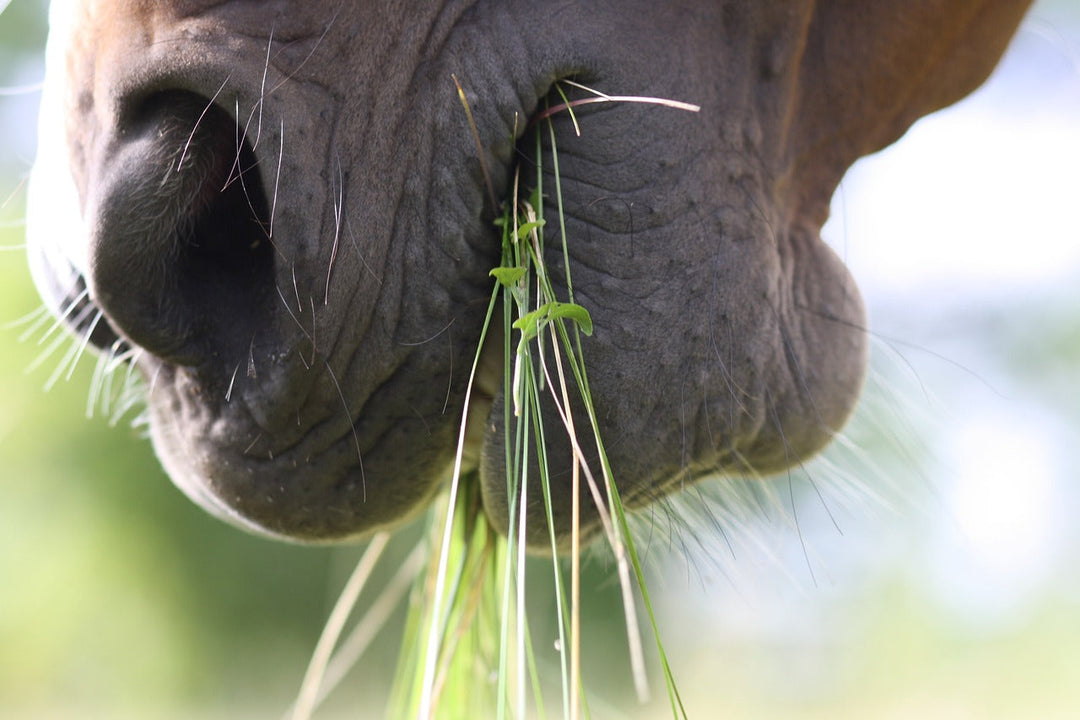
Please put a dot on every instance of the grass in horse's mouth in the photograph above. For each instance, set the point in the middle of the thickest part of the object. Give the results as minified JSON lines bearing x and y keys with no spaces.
{"x":467,"y":648}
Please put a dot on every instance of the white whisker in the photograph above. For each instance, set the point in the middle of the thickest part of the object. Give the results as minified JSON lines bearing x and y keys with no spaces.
{"x":262,"y":89}
{"x":191,"y":137}
{"x":296,"y":289}
{"x":232,"y":381}
{"x":359,"y":254}
{"x":433,"y":337}
{"x":277,"y":178}
{"x":58,"y":321}
{"x":84,"y":342}
{"x":257,"y":439}
{"x":46,"y":353}
{"x":314,"y":330}
{"x":68,"y":359}
{"x":236,"y":172}
{"x":97,"y":384}
{"x":251,"y":372}
{"x":303,"y":62}
{"x":35,"y":318}
{"x":339,"y":203}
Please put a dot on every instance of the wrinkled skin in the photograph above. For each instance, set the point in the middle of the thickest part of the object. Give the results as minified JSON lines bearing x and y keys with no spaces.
{"x":281,"y":203}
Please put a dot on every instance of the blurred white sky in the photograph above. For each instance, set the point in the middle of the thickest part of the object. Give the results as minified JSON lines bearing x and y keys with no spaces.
{"x":983,"y":193}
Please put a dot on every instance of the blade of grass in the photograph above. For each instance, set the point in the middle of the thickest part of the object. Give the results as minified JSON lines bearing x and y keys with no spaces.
{"x":359,"y":639}
{"x":309,"y":688}
{"x":455,"y":590}
{"x":433,"y":640}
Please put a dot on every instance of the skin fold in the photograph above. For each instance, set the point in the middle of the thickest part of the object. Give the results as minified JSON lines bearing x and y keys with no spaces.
{"x":280,"y":206}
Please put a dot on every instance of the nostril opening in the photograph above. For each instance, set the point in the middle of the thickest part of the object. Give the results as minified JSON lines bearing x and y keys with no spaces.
{"x":226,"y":259}
{"x":180,"y":259}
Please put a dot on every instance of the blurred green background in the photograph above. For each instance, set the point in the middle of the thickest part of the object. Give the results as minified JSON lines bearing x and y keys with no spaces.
{"x":955,"y":594}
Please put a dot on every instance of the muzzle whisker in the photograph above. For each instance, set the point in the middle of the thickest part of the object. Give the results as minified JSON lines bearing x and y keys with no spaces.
{"x":52,"y":346}
{"x":68,"y":360}
{"x":277,"y":181}
{"x":98,"y":315}
{"x":33,"y":320}
{"x":191,"y":137}
{"x":339,"y":204}
{"x":299,"y":324}
{"x":315,"y":47}
{"x":262,"y":89}
{"x":232,"y":382}
{"x":789,"y":463}
{"x":352,"y":426}
{"x":63,"y":316}
{"x":356,"y":246}
{"x":98,"y":382}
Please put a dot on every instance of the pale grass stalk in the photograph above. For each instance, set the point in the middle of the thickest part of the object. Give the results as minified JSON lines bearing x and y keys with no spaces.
{"x":309,"y":688}
{"x":613,"y":531}
{"x":358,"y":640}
{"x":518,"y":358}
{"x":476,"y":139}
{"x":599,"y":97}
{"x":472,"y":605}
{"x":433,"y":642}
{"x":575,"y":473}
{"x":522,"y":522}
{"x":575,"y":592}
{"x":615,"y":537}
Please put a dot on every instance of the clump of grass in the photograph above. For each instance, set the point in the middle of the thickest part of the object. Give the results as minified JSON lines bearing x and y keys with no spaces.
{"x":467,"y":650}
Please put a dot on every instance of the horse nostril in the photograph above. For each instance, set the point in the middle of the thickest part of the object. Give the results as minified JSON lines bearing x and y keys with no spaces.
{"x":179,"y":258}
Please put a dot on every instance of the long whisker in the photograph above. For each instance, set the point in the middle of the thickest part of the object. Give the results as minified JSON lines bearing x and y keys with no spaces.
{"x":315,"y":47}
{"x":300,"y":325}
{"x":58,"y":321}
{"x":98,"y":382}
{"x":352,"y":427}
{"x":232,"y":381}
{"x":191,"y":137}
{"x":62,"y":366}
{"x":48,"y":351}
{"x":84,"y":342}
{"x":339,"y":204}
{"x":788,"y":462}
{"x":359,"y":254}
{"x":33,"y":319}
{"x":262,"y":88}
{"x":277,"y":179}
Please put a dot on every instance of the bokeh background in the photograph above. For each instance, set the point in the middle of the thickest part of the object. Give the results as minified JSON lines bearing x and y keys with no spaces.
{"x":928,"y":566}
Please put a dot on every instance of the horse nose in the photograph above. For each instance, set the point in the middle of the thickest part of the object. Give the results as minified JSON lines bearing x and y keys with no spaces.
{"x":179,"y":257}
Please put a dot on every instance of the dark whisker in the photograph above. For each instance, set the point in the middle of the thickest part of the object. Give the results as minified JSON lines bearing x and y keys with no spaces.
{"x":352,"y":426}
{"x":790,"y":481}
